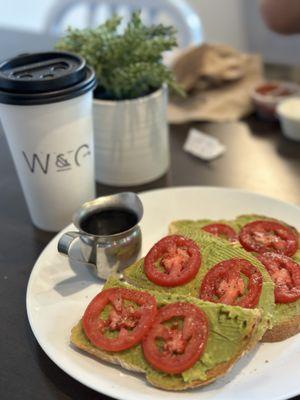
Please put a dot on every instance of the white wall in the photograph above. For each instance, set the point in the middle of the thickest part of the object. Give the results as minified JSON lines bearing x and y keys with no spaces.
{"x":221,"y":24}
{"x":235,"y":22}
{"x":24,"y":14}
{"x":223,"y":21}
{"x":239,"y":23}
{"x":275,"y":48}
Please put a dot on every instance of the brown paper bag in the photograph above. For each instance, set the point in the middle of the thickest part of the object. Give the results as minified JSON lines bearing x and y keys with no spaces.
{"x":218,"y":81}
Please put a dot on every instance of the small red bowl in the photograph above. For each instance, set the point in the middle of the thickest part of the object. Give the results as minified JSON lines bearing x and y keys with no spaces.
{"x":268,"y":95}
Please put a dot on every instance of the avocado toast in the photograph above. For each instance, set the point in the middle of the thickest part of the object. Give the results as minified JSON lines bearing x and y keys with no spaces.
{"x":231,"y":332}
{"x":213,"y":250}
{"x":286,"y":316}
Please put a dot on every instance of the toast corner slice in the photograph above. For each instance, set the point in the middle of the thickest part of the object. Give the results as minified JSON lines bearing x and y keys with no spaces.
{"x":251,"y":340}
{"x":172,"y":228}
{"x":283,"y":330}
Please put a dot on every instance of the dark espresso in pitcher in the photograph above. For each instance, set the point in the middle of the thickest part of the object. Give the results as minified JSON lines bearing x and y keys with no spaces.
{"x":109,"y":222}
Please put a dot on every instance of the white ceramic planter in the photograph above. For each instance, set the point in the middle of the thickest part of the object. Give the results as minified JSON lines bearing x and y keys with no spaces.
{"x":131,"y":139}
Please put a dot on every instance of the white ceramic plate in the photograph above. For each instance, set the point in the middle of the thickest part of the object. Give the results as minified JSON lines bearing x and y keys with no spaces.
{"x":57,"y":296}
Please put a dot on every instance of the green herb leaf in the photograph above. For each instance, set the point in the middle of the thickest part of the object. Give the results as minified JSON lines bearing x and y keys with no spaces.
{"x":127,"y":65}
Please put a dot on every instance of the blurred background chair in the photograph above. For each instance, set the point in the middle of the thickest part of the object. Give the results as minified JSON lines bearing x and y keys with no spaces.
{"x":90,"y":13}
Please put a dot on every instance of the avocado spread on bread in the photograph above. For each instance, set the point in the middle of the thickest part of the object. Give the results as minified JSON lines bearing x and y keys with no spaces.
{"x":213,"y":250}
{"x":231,"y":331}
{"x":281,"y":312}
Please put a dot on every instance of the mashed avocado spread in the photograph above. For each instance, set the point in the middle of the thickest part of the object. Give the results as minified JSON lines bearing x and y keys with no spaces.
{"x":231,"y":330}
{"x":213,"y":251}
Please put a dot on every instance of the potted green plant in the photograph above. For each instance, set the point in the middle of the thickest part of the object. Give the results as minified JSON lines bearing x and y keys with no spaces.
{"x":130,"y":125}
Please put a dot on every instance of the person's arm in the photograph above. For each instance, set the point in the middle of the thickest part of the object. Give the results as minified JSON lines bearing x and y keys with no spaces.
{"x":282,"y":16}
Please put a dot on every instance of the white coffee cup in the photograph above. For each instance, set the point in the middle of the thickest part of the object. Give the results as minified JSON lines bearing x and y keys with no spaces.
{"x":51,"y":138}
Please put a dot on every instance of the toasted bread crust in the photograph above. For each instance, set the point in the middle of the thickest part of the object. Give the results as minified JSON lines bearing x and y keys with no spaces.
{"x":172,"y":228}
{"x":283,"y":330}
{"x":212,"y":374}
{"x":102,"y":355}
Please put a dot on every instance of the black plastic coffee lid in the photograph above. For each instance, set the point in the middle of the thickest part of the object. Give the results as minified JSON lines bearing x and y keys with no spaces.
{"x":41,"y":78}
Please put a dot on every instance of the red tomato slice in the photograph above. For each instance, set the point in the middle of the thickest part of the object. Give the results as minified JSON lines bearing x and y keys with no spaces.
{"x":224,"y":283}
{"x":269,"y":236}
{"x":221,"y":230}
{"x":285,"y":273}
{"x":180,"y":346}
{"x":172,"y":261}
{"x":128,"y":322}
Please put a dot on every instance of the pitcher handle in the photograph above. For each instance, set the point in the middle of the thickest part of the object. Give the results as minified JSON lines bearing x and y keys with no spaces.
{"x":64,"y":245}
{"x":65,"y":242}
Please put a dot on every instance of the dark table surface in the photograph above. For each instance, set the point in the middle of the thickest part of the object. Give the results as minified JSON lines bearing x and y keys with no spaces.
{"x":258,"y":158}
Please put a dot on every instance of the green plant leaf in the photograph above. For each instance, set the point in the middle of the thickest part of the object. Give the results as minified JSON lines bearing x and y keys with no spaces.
{"x":128,"y":64}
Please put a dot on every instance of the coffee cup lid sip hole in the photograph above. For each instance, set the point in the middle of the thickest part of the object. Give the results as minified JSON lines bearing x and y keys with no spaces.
{"x":42,"y":78}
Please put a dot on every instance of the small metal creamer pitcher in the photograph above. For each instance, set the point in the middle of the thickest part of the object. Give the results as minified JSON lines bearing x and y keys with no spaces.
{"x":105,"y":253}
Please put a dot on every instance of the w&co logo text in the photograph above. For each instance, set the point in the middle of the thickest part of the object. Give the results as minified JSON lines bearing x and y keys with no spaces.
{"x":58,"y":161}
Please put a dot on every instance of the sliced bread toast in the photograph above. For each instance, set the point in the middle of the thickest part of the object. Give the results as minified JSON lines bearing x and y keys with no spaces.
{"x":286,"y":317}
{"x":232,"y":332}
